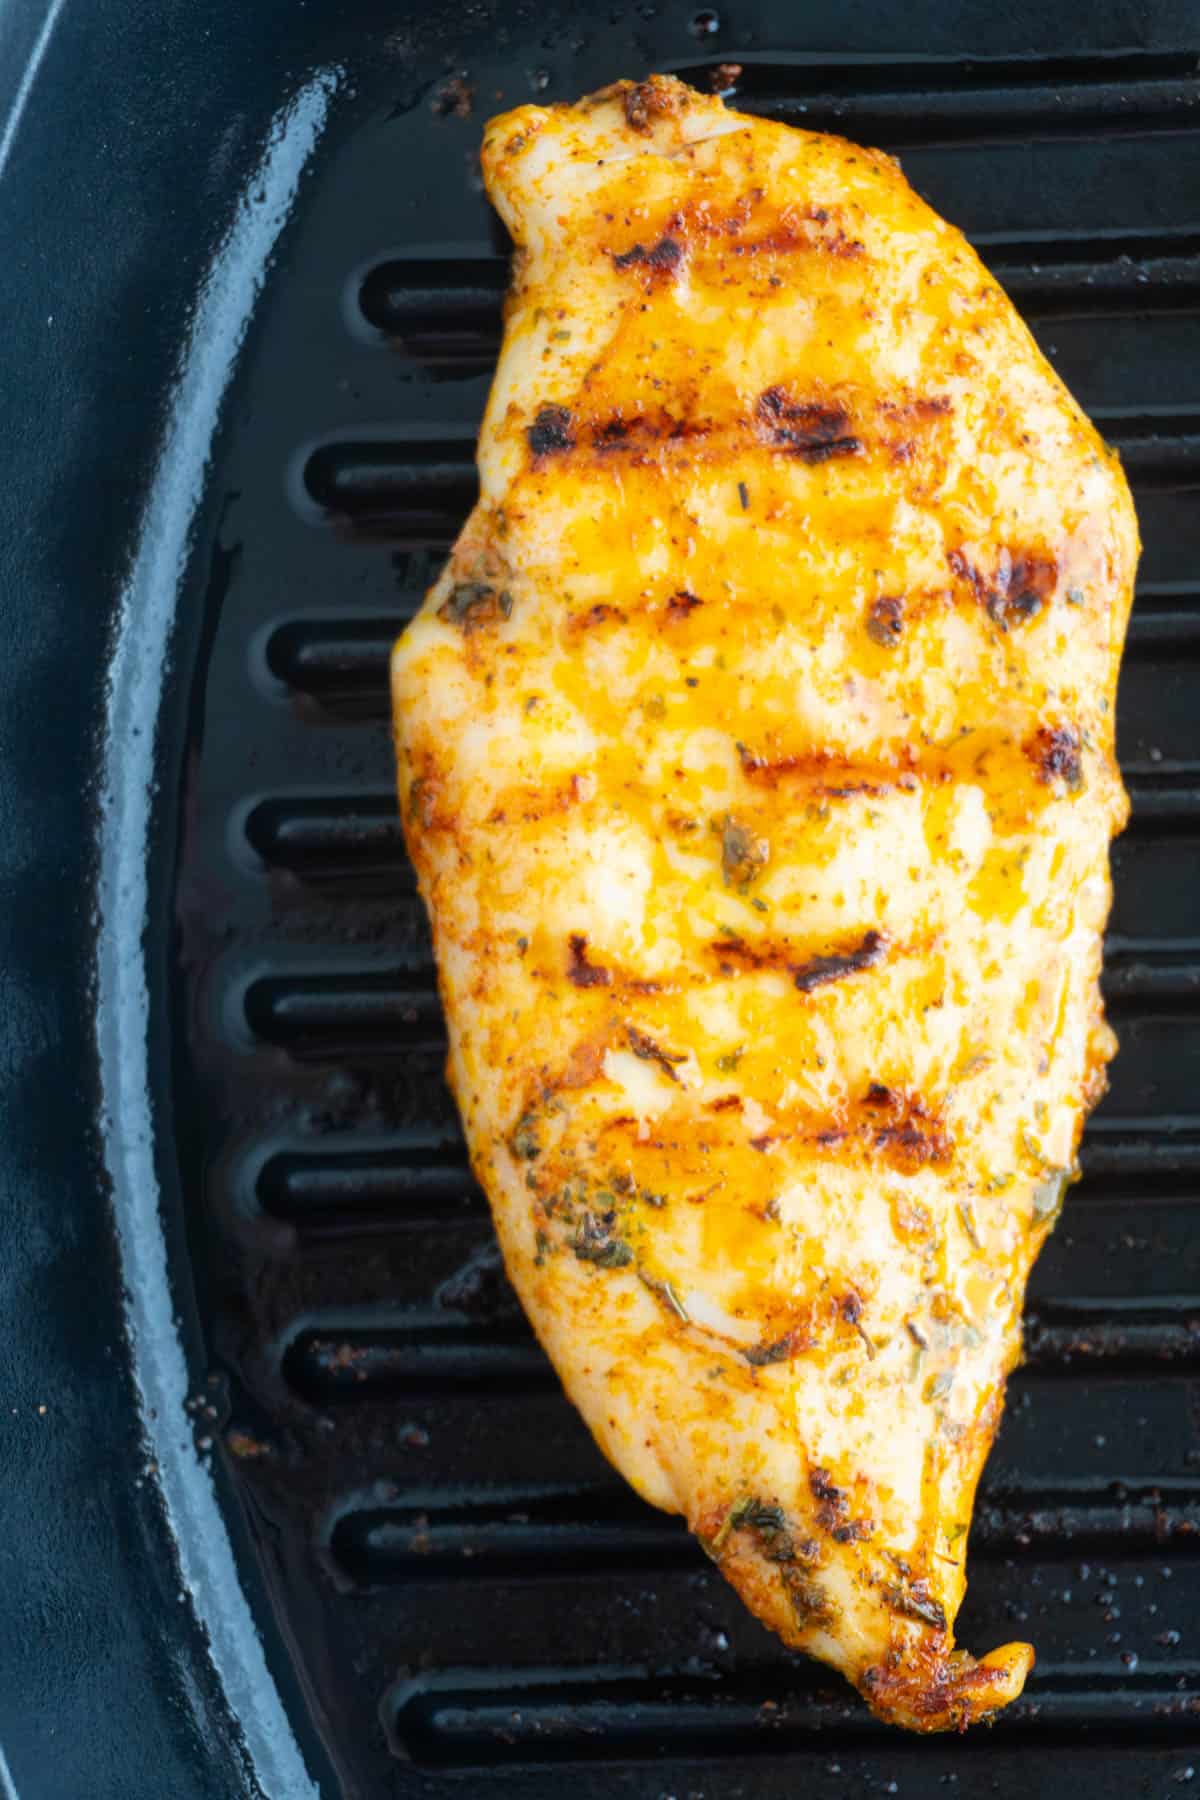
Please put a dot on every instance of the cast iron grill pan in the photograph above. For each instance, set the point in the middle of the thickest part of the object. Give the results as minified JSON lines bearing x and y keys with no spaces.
{"x":470,"y":1593}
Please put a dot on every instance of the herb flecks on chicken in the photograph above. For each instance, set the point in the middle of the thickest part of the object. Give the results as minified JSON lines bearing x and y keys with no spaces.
{"x":756,"y":757}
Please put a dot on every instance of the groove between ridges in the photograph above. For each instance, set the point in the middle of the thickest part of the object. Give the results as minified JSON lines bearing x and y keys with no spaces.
{"x":446,"y":311}
{"x":398,"y":1010}
{"x":344,"y":662}
{"x":344,"y":836}
{"x":435,"y":1350}
{"x":418,"y":491}
{"x":467,"y":1719}
{"x":977,"y":105}
{"x":547,"y":1532}
{"x":352,"y":1191}
{"x":860,"y":77}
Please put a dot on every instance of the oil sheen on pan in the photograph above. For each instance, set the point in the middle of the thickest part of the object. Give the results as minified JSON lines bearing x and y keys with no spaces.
{"x":756,"y":759}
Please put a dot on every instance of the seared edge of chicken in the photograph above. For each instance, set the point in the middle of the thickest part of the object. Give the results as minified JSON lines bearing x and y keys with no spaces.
{"x":756,"y":760}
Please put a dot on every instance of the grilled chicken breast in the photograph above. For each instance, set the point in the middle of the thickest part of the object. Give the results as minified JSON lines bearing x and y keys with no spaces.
{"x":756,"y":759}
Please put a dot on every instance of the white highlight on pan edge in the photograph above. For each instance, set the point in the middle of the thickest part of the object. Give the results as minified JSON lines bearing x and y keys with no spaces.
{"x":139,"y":664}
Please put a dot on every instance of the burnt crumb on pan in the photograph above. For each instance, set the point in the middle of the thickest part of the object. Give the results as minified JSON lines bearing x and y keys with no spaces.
{"x":819,"y":970}
{"x":806,"y":428}
{"x":551,"y":431}
{"x":455,"y":99}
{"x":664,"y":256}
{"x":580,"y":971}
{"x":723,"y":77}
{"x":1056,"y":754}
{"x":885,"y":621}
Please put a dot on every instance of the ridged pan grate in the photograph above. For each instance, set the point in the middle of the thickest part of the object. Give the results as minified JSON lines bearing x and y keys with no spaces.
{"x":466,"y":1584}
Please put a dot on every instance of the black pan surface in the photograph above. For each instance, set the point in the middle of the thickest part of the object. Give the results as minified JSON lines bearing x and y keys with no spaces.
{"x":305,"y":1511}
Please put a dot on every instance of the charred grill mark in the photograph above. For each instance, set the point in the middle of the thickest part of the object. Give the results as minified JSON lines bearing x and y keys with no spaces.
{"x":795,"y":232}
{"x":551,"y":431}
{"x":1021,"y":584}
{"x":810,"y":432}
{"x":682,"y":603}
{"x":528,"y":804}
{"x":908,"y":1134}
{"x":934,"y":406}
{"x":835,"y":774}
{"x":806,"y":428}
{"x":646,"y":1048}
{"x":1032,"y":583}
{"x":581,"y":972}
{"x":732,"y":952}
{"x":662,"y":258}
{"x":596,"y":615}
{"x":818,"y":971}
{"x":815,"y":972}
{"x":795,"y":228}
{"x":641,"y":433}
{"x":1056,"y":754}
{"x":885,"y":621}
{"x":760,"y":1356}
